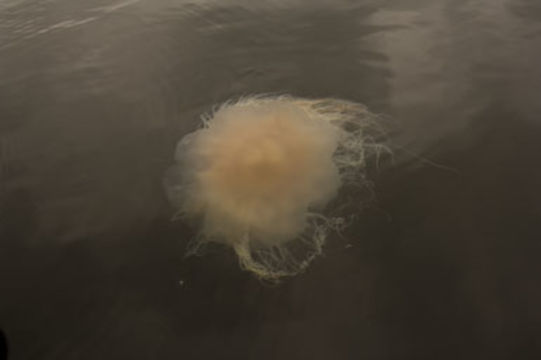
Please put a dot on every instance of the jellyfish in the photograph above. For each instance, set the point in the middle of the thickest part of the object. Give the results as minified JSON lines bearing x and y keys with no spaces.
{"x":262,"y":174}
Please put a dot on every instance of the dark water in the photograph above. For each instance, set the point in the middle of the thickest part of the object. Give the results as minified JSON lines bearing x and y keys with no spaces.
{"x":95,"y":94}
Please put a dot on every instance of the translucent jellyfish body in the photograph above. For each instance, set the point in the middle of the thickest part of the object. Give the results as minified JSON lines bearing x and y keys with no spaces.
{"x":261,"y":173}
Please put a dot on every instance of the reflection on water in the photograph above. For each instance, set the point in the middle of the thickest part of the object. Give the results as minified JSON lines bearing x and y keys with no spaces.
{"x":94,"y":96}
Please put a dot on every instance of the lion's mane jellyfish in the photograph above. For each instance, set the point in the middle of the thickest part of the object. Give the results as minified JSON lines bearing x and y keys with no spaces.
{"x":261,"y":173}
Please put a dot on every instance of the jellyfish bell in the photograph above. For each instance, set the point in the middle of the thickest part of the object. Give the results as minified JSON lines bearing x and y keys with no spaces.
{"x":260,"y":173}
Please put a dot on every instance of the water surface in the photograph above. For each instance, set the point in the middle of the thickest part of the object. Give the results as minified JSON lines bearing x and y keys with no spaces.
{"x":94,"y":95}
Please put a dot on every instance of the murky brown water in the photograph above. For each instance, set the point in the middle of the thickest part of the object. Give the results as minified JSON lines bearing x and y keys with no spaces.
{"x":95,"y":94}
